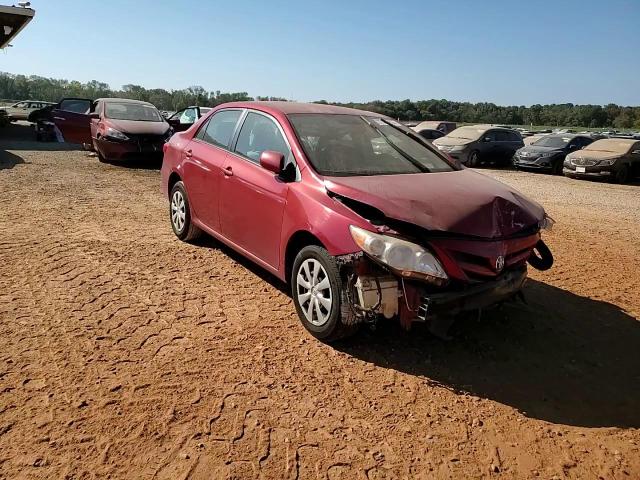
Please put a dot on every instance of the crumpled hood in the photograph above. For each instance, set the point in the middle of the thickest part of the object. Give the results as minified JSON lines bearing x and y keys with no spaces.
{"x":451,"y":141}
{"x":594,"y":154}
{"x":462,"y":202}
{"x":139,"y":128}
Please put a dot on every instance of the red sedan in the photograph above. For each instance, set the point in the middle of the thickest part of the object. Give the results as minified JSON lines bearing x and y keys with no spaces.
{"x":361,"y":216}
{"x":116,"y":128}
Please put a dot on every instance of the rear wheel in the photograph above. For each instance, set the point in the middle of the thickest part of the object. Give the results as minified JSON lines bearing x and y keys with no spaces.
{"x":180,"y":214}
{"x":474,"y":159}
{"x":318,"y":295}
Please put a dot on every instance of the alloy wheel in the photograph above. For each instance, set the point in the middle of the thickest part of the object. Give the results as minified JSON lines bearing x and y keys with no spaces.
{"x":178,"y":211}
{"x":314,"y":292}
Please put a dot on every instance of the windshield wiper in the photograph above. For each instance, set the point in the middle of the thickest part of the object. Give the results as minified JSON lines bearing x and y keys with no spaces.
{"x":405,"y":155}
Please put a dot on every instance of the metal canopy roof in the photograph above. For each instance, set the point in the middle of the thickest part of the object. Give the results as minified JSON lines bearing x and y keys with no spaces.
{"x":12,"y":21}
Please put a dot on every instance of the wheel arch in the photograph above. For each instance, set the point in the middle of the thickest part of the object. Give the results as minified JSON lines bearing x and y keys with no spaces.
{"x":173,"y":179}
{"x":297,"y":241}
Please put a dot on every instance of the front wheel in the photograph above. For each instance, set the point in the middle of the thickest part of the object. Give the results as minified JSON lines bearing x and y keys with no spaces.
{"x":474,"y":159}
{"x":557,"y":167}
{"x":180,"y":214}
{"x":622,"y":175}
{"x":317,"y":291}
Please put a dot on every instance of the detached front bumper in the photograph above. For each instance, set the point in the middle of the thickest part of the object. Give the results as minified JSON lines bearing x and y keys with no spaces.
{"x":474,"y":297}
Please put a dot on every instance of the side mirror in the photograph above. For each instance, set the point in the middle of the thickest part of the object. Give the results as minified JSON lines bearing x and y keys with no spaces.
{"x":272,"y":161}
{"x":635,"y":152}
{"x":94,"y":115}
{"x":487,"y":139}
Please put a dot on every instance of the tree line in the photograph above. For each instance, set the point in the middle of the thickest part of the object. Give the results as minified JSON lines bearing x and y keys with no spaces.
{"x":21,"y":87}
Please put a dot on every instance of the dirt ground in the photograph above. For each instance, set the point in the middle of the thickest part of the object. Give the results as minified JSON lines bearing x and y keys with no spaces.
{"x":125,"y":353}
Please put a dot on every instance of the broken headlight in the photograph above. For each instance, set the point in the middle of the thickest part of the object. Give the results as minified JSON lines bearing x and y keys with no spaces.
{"x":405,"y":258}
{"x":547,"y":223}
{"x":115,"y":134}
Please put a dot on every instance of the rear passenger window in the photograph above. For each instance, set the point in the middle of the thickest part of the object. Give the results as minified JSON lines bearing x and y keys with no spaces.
{"x":219,"y":128}
{"x":259,"y":134}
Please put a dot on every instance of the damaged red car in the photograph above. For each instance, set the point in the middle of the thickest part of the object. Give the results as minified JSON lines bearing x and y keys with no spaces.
{"x":360,"y":215}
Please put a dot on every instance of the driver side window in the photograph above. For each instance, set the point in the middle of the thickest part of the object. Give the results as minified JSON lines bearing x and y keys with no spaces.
{"x":259,"y":134}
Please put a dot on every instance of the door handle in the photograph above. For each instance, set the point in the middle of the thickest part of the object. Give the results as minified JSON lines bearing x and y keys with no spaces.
{"x":188,"y":153}
{"x":228,"y":172}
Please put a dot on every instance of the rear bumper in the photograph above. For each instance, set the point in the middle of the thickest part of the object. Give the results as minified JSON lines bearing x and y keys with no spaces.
{"x":474,"y":297}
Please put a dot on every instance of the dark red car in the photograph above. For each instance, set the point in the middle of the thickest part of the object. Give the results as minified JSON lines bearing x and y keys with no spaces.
{"x":116,"y":128}
{"x":358,"y":213}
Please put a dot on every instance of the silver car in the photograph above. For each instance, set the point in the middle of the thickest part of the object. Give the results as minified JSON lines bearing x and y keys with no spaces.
{"x":21,"y":110}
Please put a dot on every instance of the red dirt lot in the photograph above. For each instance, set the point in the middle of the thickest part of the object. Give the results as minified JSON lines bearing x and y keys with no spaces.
{"x":125,"y":353}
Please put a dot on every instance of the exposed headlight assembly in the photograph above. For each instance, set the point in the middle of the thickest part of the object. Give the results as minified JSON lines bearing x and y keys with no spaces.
{"x":116,"y":134}
{"x":547,"y":223}
{"x":404,"y":258}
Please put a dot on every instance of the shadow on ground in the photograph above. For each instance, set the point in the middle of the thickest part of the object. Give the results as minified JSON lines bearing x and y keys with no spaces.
{"x":21,"y":136}
{"x":9,"y":160}
{"x":562,"y":358}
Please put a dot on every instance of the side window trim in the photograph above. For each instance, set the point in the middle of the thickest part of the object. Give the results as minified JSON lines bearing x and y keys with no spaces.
{"x":231,"y":143}
{"x":234,"y":140}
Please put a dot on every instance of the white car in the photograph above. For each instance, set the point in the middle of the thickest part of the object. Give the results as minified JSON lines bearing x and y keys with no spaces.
{"x":21,"y":110}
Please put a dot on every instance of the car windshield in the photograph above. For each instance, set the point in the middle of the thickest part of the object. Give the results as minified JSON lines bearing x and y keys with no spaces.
{"x":467,"y":133}
{"x":350,"y":145}
{"x":610,"y":145}
{"x":552,"y":141}
{"x":132,"y":111}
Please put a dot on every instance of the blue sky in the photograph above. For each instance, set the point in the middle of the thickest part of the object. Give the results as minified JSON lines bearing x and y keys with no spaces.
{"x":507,"y":52}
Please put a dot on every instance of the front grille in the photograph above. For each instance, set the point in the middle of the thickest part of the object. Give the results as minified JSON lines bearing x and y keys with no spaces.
{"x":475,"y":260}
{"x":148,"y":143}
{"x":583,"y":162}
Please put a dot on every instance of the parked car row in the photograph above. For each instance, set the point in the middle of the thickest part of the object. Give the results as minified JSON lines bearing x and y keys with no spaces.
{"x":477,"y":144}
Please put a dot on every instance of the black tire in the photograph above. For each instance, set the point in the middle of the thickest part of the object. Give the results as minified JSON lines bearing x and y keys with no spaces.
{"x":622,"y":174}
{"x":339,"y":323}
{"x":541,"y":257}
{"x":185,"y":229}
{"x":101,"y":158}
{"x":557,"y":167}
{"x":473,"y":160}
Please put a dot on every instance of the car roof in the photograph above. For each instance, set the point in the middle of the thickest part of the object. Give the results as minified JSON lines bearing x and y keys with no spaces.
{"x":488,"y":127}
{"x":288,"y":108}
{"x":123,"y":100}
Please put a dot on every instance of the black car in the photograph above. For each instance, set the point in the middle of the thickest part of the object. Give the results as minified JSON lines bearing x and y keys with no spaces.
{"x":473,"y":145}
{"x":430,"y":134}
{"x":548,"y":153}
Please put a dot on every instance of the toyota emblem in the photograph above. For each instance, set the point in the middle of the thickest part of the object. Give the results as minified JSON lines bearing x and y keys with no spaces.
{"x":499,"y":263}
